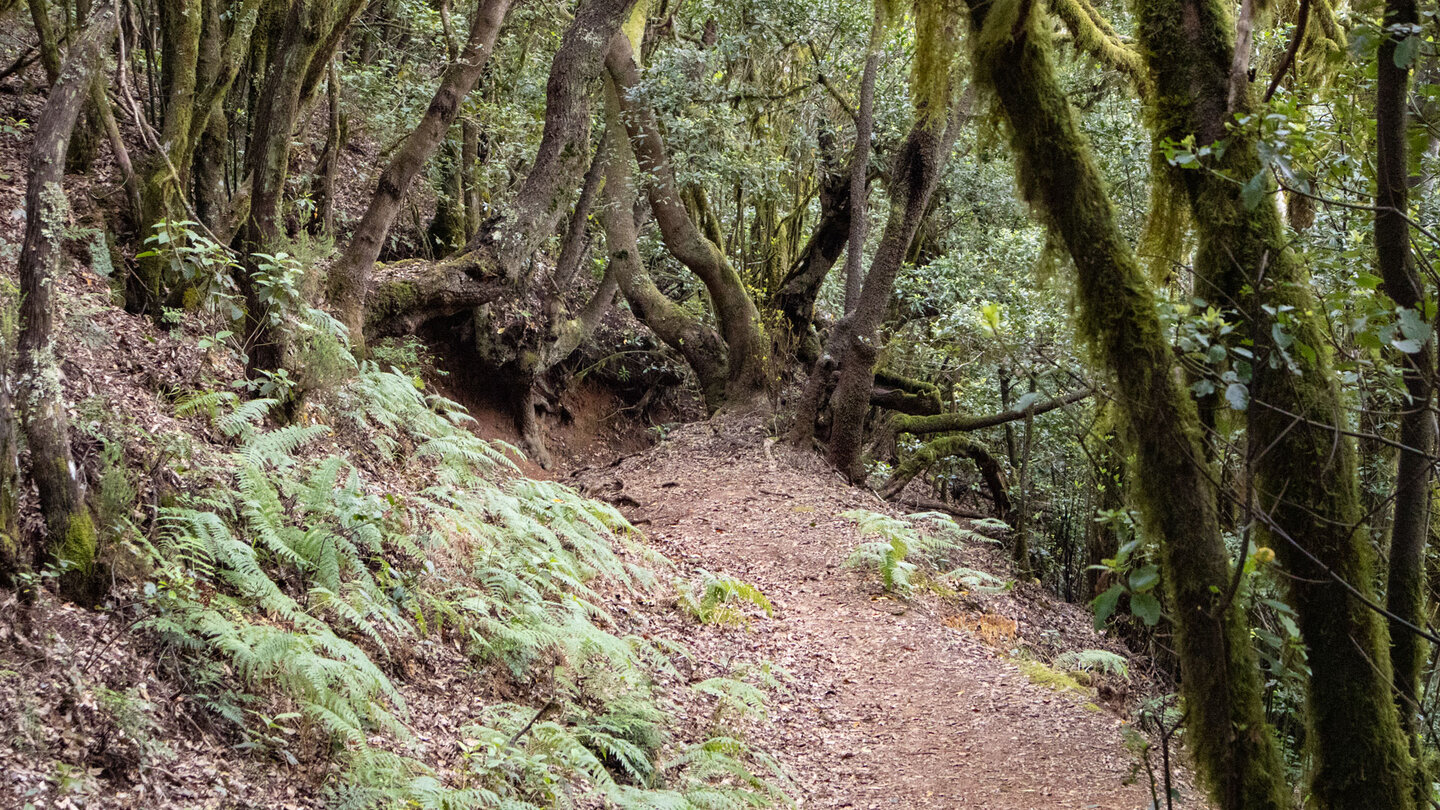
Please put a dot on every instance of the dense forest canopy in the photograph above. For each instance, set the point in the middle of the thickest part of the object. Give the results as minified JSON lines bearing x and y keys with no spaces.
{"x":1151,"y":282}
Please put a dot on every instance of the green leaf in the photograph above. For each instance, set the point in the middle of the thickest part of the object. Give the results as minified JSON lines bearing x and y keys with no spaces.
{"x":1412,"y":324}
{"x":1104,"y":605}
{"x":1406,"y":51}
{"x":1143,"y":579}
{"x":1238,"y":396}
{"x":1253,"y":192}
{"x":1146,"y":607}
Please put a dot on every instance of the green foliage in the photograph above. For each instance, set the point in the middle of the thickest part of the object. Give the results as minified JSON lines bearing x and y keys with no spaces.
{"x":298,"y":576}
{"x":722,"y":600}
{"x":906,"y":547}
{"x":204,"y":266}
{"x":1136,"y":579}
{"x":1101,"y":661}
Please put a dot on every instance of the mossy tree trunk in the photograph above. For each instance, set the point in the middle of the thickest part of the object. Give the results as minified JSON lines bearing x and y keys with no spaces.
{"x":954,"y":446}
{"x":446,"y":233}
{"x":700,"y":345}
{"x":48,"y":42}
{"x":70,"y":537}
{"x":310,"y":34}
{"x":198,"y":73}
{"x":1405,"y":594}
{"x":1235,"y":753}
{"x":859,"y":167}
{"x":747,"y":354}
{"x":350,"y":277}
{"x":327,"y":166}
{"x":1304,"y":469}
{"x":853,"y":345}
{"x":521,"y":346}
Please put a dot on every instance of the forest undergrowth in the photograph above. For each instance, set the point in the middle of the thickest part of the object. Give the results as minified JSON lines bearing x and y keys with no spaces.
{"x":369,"y":607}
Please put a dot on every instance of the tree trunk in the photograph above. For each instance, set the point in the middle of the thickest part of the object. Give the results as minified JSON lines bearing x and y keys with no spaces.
{"x":446,"y":233}
{"x":308,"y":35}
{"x":1304,"y":469}
{"x":795,"y":298}
{"x":701,"y":347}
{"x":542,"y":200}
{"x":49,"y":45}
{"x":859,"y":165}
{"x":854,"y":342}
{"x":328,"y":165}
{"x":203,"y":67}
{"x":469,"y":175}
{"x":959,"y":446}
{"x":350,"y":277}
{"x":1227,"y":734}
{"x":1405,"y":595}
{"x":70,"y":537}
{"x":747,"y":355}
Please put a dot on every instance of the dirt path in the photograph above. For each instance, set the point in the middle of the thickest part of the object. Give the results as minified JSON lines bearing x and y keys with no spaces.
{"x":887,"y":706}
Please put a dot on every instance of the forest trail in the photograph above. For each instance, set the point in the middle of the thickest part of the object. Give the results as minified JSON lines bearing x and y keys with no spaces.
{"x":886,"y":706}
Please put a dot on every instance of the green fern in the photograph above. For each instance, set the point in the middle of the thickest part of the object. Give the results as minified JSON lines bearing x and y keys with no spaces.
{"x":1101,"y":661}
{"x":977,"y":580}
{"x":903,"y":547}
{"x":295,"y":576}
{"x":721,"y":600}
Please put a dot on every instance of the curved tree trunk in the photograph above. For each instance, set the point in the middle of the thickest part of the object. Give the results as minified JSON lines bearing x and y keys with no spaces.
{"x":795,"y":298}
{"x":350,"y":277}
{"x":70,"y":537}
{"x":1304,"y":469}
{"x":958,"y":446}
{"x":699,"y":344}
{"x":747,"y":354}
{"x":1227,"y":734}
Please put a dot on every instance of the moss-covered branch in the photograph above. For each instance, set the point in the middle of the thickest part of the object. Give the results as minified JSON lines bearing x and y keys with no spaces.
{"x":1094,"y":36}
{"x":952,"y":422}
{"x":904,"y":394}
{"x":1304,"y":469}
{"x":1235,"y":752}
{"x":957,"y":446}
{"x":404,"y":295}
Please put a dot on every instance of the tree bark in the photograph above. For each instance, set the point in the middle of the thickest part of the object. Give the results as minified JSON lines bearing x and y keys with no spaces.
{"x":1405,"y":594}
{"x":201,"y":72}
{"x":49,"y":45}
{"x":795,"y":298}
{"x":859,"y":165}
{"x":947,"y":422}
{"x":70,"y":537}
{"x":328,"y":164}
{"x":1304,"y":469}
{"x":349,"y":278}
{"x":952,"y":447}
{"x":747,"y":355}
{"x":307,"y":37}
{"x":699,"y":344}
{"x":1235,"y":753}
{"x":541,"y":202}
{"x":854,"y":341}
